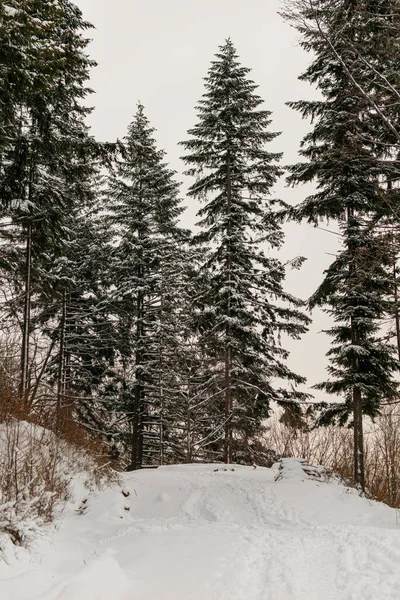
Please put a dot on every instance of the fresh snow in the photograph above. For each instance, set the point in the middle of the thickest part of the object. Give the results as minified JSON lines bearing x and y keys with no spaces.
{"x":201,"y":532}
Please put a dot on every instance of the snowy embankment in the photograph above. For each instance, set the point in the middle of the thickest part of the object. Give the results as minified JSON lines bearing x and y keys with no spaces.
{"x":200,"y":532}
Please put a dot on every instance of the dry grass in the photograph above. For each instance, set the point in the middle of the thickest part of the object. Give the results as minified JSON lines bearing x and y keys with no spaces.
{"x":36,"y":469}
{"x":333,"y":447}
{"x":36,"y":466}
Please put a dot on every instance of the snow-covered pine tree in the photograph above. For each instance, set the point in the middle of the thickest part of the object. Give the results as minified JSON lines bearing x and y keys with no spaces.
{"x":344,"y":156}
{"x":42,"y":158}
{"x":13,"y":40}
{"x":165,"y":307}
{"x":75,"y":315}
{"x":246,"y":303}
{"x":146,"y":262}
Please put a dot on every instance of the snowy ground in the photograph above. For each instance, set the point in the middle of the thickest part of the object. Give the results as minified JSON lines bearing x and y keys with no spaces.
{"x":197,"y":533}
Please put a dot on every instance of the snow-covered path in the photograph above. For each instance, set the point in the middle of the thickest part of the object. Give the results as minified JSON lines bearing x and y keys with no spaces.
{"x":204,"y":533}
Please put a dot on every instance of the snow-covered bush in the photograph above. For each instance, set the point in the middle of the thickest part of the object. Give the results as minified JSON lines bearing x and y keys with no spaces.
{"x":36,"y":468}
{"x":32,"y":482}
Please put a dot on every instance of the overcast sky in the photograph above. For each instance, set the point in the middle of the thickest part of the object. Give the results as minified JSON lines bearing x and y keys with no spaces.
{"x":158,"y":51}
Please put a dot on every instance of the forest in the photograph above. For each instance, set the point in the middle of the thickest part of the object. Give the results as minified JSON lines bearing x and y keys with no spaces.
{"x":148,"y":344}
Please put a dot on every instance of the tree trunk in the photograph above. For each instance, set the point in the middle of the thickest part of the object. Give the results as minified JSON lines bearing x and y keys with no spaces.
{"x":26,"y":323}
{"x":188,"y":430}
{"x":357,"y":422}
{"x":358,"y":439}
{"x":228,"y":403}
{"x":395,"y":286}
{"x":69,"y":401}
{"x":396,"y":307}
{"x":356,"y":392}
{"x":61,"y":367}
{"x":137,"y":433}
{"x":228,"y":350}
{"x":189,"y":451}
{"x":161,"y":386}
{"x":161,"y":367}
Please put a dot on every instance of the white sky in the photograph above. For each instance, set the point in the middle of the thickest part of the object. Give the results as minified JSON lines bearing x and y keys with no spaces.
{"x":158,"y":51}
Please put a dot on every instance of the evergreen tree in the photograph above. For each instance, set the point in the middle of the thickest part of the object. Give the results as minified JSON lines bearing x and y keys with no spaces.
{"x":146,"y":259}
{"x":246,"y":305}
{"x":344,"y":155}
{"x":76,"y":316}
{"x":44,"y":157}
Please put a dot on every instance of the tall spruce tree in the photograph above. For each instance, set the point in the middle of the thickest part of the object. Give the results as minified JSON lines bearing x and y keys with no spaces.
{"x":344,"y":155}
{"x":247,"y":307}
{"x":43,"y":158}
{"x":146,"y":259}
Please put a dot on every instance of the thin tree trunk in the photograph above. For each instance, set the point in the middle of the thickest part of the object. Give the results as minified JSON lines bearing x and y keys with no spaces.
{"x":358,"y":439}
{"x":228,"y":402}
{"x":26,"y":324}
{"x":356,"y":392}
{"x":35,"y":389}
{"x":161,"y":381}
{"x":228,"y":350}
{"x":188,"y":430}
{"x":69,"y":402}
{"x":396,"y":290}
{"x":357,"y":422}
{"x":396,"y":308}
{"x":161,"y":422}
{"x":395,"y":286}
{"x":61,"y":367}
{"x":137,"y":434}
{"x":161,"y":365}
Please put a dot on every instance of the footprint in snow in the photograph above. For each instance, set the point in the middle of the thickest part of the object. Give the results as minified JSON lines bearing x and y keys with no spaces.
{"x":163,"y":497}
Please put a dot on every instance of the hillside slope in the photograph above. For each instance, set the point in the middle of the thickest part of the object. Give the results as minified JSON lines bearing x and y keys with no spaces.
{"x":199,"y":532}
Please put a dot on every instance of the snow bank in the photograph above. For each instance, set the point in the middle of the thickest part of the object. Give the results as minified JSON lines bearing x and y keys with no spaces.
{"x":101,"y":578}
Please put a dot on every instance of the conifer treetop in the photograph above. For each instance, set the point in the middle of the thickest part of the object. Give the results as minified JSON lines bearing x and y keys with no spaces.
{"x":143,"y":178}
{"x":232,"y":128}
